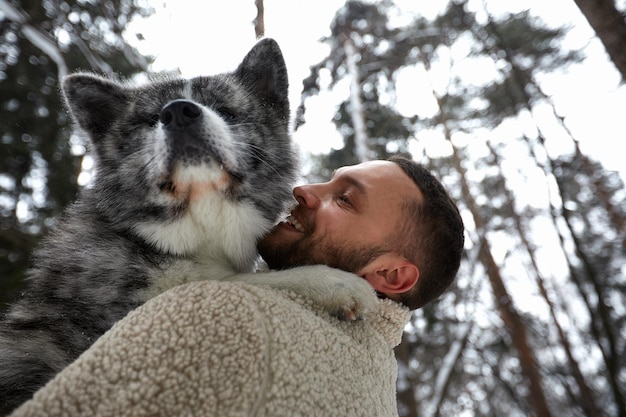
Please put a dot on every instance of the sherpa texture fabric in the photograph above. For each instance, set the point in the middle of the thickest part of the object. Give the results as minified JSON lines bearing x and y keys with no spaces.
{"x":228,"y":349}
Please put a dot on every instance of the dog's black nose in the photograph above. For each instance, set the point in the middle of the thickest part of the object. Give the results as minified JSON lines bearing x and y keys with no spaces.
{"x":180,"y":113}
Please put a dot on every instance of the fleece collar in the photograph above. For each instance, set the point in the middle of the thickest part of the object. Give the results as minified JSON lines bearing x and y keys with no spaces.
{"x":390,"y":320}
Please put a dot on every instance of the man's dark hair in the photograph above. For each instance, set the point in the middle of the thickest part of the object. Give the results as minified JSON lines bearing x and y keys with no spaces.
{"x":431,"y":236}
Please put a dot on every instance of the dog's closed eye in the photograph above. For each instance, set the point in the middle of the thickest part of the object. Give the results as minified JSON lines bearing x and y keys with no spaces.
{"x":154,"y":119}
{"x":226,"y":114}
{"x":144,"y":119}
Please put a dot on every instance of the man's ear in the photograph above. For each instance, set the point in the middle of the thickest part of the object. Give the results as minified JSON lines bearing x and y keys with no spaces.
{"x":391,"y":274}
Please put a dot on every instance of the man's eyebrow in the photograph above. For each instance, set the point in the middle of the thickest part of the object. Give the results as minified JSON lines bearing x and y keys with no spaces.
{"x":352,"y":180}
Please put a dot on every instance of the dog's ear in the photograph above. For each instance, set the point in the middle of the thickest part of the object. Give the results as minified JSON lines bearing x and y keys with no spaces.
{"x":94,"y":102}
{"x":264,"y":73}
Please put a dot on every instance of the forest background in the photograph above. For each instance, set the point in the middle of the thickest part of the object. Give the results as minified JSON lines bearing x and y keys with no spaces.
{"x":535,"y":323}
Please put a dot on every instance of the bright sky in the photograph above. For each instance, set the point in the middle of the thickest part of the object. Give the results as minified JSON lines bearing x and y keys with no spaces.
{"x":186,"y":35}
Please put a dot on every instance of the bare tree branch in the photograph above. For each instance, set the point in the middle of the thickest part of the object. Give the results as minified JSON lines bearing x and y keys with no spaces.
{"x":259,"y":20}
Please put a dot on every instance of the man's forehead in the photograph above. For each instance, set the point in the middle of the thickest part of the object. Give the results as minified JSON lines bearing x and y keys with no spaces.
{"x":390,"y":173}
{"x":374,"y":167}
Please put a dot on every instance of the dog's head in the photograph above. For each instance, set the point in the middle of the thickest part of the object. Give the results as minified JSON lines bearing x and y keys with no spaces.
{"x":192,"y":165}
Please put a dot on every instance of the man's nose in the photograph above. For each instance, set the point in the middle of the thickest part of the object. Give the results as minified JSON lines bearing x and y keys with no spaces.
{"x":307,"y":195}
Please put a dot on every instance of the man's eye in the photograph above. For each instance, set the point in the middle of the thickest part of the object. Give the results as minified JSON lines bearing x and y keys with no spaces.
{"x":344,"y":199}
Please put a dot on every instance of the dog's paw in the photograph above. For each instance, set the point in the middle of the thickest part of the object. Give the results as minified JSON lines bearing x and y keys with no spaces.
{"x":343,"y":294}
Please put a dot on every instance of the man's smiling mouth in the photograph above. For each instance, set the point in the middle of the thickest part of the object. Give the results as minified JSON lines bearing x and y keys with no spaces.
{"x":295,"y":223}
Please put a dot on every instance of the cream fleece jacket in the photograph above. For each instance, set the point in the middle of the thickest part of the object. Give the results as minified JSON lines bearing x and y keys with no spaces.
{"x":216,"y":348}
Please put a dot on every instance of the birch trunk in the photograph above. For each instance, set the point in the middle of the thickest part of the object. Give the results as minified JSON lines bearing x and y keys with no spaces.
{"x":356,"y":106}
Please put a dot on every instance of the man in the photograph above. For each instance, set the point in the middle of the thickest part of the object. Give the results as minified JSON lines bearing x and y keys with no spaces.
{"x":218,"y":348}
{"x":390,"y":221}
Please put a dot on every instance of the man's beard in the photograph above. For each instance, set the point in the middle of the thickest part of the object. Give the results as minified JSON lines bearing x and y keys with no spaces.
{"x":310,"y":250}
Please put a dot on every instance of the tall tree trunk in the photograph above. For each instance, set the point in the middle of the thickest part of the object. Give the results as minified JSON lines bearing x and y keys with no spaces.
{"x":603,"y":323}
{"x":610,"y":27}
{"x":519,"y":336}
{"x":601,"y":320}
{"x":596,"y":327}
{"x":585,"y":393}
{"x":356,"y":105}
{"x":445,"y":371}
{"x":601,"y":310}
{"x":512,"y":320}
{"x":259,"y":20}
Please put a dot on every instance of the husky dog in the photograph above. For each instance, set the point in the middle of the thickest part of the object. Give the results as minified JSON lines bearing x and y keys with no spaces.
{"x":189,"y":175}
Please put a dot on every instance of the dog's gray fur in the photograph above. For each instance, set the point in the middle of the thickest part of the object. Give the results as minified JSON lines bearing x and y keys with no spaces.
{"x":189,"y":175}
